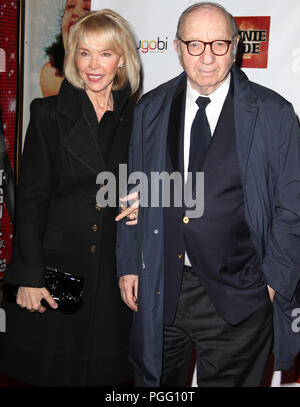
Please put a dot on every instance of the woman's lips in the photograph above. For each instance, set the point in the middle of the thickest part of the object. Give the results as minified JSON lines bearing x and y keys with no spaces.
{"x":94,"y":78}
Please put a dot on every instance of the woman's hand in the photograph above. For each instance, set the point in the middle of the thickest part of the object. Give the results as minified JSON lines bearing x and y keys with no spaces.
{"x":131,"y":212}
{"x":30,"y":298}
{"x":271,"y":293}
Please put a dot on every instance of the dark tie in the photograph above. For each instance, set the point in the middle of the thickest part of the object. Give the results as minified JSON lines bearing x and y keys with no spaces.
{"x":200,"y":136}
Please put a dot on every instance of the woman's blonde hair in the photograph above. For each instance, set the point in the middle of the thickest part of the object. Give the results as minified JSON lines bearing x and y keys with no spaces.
{"x":115,"y":32}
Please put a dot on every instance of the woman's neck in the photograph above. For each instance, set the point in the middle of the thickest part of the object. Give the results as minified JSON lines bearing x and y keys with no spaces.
{"x":101,"y":101}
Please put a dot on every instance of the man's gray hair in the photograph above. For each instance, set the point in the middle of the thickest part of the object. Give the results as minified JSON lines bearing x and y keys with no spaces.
{"x":209,"y":4}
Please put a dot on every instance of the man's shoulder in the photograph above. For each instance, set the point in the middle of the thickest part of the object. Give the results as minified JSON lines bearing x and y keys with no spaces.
{"x":250,"y":90}
{"x":266,"y":94}
{"x":165,"y":89}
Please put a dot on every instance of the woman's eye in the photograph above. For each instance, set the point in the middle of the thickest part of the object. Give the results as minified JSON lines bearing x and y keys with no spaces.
{"x":88,"y":6}
{"x":106,"y":54}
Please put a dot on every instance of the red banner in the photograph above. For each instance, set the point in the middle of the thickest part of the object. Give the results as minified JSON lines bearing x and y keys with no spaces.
{"x":8,"y":100}
{"x":254,"y":37}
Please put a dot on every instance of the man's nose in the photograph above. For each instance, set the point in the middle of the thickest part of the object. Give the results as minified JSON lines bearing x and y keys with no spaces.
{"x":207,"y":55}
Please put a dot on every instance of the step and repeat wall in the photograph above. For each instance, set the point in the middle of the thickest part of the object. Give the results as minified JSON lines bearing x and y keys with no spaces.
{"x":270,"y":30}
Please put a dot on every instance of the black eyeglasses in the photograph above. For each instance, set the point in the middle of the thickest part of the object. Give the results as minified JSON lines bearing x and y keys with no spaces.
{"x":197,"y":47}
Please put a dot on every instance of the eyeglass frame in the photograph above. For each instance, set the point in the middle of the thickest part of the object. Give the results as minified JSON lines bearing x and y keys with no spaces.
{"x":228,"y":42}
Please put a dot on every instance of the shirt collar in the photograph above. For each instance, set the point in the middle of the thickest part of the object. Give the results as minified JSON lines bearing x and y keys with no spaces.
{"x":218,"y":95}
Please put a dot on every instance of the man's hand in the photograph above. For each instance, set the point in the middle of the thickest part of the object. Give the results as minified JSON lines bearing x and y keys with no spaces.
{"x":271,"y":293}
{"x":131,"y":212}
{"x":129,"y":290}
{"x":30,"y":298}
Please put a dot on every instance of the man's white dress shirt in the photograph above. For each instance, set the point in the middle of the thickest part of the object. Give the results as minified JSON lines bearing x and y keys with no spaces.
{"x":213,"y":110}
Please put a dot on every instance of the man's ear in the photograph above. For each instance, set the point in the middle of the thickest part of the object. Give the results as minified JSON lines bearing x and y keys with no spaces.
{"x":176,"y":45}
{"x":236,"y":41}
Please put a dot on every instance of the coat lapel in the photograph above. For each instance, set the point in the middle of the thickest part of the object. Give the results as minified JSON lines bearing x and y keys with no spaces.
{"x":176,"y":128}
{"x":245,"y":111}
{"x":79,"y":140}
{"x":81,"y":143}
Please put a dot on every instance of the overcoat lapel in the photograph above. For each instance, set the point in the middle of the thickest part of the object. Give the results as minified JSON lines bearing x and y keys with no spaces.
{"x":81,"y":143}
{"x":176,"y":128}
{"x":245,"y":112}
{"x":79,"y":140}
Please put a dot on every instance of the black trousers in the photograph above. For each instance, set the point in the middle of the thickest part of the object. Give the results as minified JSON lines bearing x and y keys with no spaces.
{"x":226,"y":355}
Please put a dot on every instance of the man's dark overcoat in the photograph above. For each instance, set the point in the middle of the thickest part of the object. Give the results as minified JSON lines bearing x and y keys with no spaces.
{"x":268,"y":147}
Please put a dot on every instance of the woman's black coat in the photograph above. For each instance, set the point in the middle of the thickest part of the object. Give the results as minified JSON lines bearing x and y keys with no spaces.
{"x":58,"y":223}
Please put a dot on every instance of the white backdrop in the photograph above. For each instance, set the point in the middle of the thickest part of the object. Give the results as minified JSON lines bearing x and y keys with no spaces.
{"x":158,"y":19}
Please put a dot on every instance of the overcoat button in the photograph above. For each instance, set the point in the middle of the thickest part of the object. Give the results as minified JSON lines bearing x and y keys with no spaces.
{"x":180,"y":256}
{"x":93,"y":248}
{"x":98,"y":207}
{"x":95,"y":228}
{"x":158,"y":292}
{"x":156,"y":231}
{"x":185,"y":219}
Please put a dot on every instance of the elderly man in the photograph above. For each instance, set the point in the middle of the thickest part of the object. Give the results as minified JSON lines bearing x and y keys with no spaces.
{"x":209,"y":282}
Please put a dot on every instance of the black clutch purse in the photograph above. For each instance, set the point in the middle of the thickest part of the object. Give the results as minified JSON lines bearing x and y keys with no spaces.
{"x":66,"y":289}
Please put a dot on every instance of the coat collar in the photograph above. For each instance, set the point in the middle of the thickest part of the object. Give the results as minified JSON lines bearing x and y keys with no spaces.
{"x":242,"y":87}
{"x":176,"y":127}
{"x":70,"y":99}
{"x":245,"y":112}
{"x":79,"y":140}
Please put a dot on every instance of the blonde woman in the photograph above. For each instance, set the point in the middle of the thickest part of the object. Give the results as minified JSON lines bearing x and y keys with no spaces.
{"x":72,"y":138}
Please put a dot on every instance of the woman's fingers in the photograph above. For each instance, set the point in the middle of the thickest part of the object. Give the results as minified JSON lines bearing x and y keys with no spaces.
{"x":49,"y":299}
{"x":134,"y":196}
{"x":130,"y":212}
{"x":30,"y":298}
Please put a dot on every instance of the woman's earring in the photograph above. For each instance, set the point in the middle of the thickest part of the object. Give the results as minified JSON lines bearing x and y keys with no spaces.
{"x":121,"y":66}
